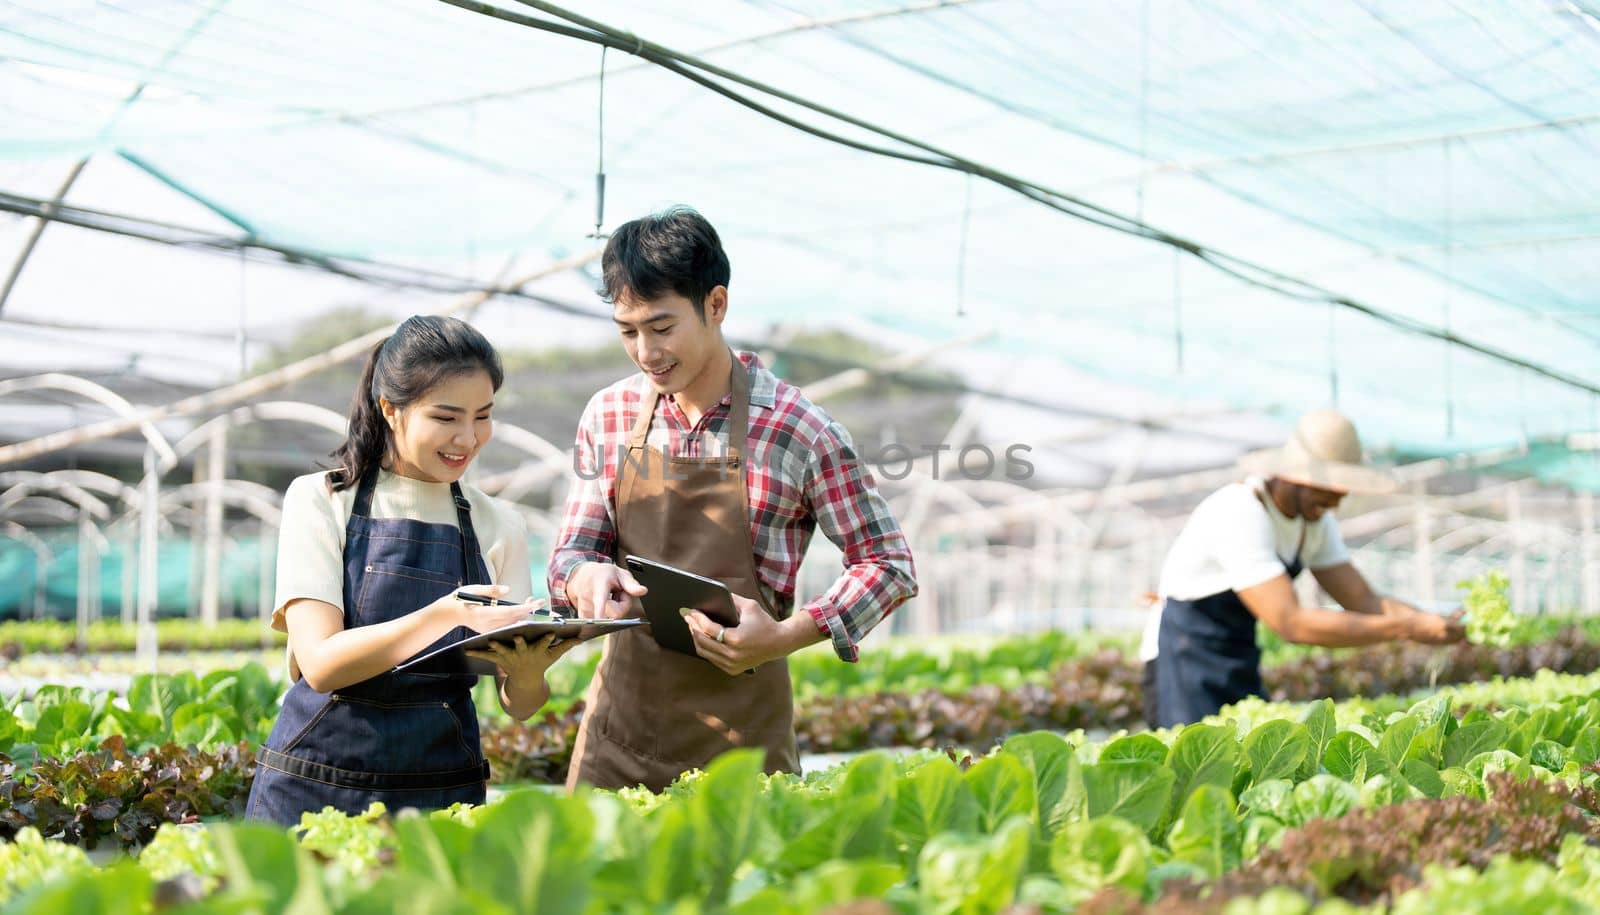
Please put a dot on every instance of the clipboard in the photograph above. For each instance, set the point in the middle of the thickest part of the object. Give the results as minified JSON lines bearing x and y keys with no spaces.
{"x":453,"y":659}
{"x":670,"y":588}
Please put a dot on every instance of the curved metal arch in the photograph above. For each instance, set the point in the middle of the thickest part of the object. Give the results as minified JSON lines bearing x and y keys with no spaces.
{"x":89,"y":390}
{"x":258,"y":500}
{"x":89,"y":480}
{"x":19,"y":533}
{"x":528,"y":442}
{"x":1530,"y":536}
{"x":117,"y":526}
{"x":58,"y":510}
{"x":268,"y":411}
{"x":20,"y":489}
{"x":1502,"y":541}
{"x":1404,"y":536}
{"x":261,"y":501}
{"x":513,"y":484}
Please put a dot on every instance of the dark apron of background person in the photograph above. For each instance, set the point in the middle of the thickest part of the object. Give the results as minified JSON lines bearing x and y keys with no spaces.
{"x":1208,"y":656}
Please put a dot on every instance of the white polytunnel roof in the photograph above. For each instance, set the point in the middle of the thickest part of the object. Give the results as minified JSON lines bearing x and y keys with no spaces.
{"x":1179,"y":211}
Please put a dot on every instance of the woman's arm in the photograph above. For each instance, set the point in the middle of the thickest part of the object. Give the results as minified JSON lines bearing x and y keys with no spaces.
{"x":331,"y":656}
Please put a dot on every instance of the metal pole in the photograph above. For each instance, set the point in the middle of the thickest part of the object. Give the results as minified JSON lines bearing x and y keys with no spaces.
{"x":87,"y":580}
{"x":211,"y":571}
{"x":1519,"y":553}
{"x":1590,"y":576}
{"x":1422,"y":527}
{"x":149,"y":564}
{"x":129,"y":576}
{"x":41,"y":565}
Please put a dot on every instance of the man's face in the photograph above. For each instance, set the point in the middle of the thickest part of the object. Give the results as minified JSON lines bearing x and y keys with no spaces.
{"x":667,"y":340}
{"x":1314,"y":502}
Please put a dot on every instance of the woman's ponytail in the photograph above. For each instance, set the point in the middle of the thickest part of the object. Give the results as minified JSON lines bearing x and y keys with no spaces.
{"x":423,"y":351}
{"x":367,"y":437}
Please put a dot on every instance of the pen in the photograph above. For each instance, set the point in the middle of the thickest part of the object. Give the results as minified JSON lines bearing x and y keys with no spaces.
{"x":471,"y":598}
{"x":480,"y":599}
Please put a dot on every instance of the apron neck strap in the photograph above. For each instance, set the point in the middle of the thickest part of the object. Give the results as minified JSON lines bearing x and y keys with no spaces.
{"x":641,"y":426}
{"x":738,"y":411}
{"x":471,"y":555}
{"x":738,"y":408}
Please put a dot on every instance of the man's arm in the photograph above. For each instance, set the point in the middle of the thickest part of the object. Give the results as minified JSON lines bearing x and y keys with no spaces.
{"x":1273,"y":603}
{"x":878,"y":571}
{"x":1349,"y":587}
{"x":587,"y":532}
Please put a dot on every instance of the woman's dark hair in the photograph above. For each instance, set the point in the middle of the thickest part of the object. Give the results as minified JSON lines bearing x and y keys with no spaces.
{"x":676,"y":250}
{"x":423,"y":351}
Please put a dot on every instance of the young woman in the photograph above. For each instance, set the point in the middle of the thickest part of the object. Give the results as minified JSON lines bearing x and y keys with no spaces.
{"x":370,"y":557}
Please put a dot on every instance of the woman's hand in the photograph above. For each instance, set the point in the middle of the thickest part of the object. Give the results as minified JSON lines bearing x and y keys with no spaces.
{"x":522,"y":667}
{"x":525,"y":663}
{"x":483,"y":617}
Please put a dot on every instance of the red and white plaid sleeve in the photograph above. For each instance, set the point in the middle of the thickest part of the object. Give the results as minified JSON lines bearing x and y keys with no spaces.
{"x":878,"y":574}
{"x":588,"y":526}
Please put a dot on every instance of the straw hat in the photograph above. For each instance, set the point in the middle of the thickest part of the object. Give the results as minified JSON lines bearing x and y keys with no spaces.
{"x":1324,"y":452}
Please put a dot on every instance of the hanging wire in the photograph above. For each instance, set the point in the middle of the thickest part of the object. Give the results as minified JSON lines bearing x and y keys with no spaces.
{"x":244,"y":298}
{"x":1522,"y":407}
{"x":1144,"y":107}
{"x":1177,"y":308}
{"x":961,"y":255}
{"x":910,"y":149}
{"x":600,"y":153}
{"x":1594,"y":429}
{"x":1450,"y":272}
{"x":1333,"y":355}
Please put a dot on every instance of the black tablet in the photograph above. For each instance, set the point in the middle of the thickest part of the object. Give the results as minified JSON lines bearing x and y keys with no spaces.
{"x":671,"y":588}
{"x":452,"y":658}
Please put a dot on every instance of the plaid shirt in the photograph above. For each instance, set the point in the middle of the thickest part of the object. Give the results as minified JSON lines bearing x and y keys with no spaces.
{"x":802,"y":472}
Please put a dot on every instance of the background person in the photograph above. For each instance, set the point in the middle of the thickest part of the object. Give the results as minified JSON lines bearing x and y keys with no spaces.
{"x":1234,"y":563}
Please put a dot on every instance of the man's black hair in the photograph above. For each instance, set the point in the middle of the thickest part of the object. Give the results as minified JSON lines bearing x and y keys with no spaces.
{"x":675,"y":250}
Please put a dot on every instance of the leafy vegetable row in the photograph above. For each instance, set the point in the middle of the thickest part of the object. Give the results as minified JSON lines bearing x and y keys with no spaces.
{"x":221,"y":708}
{"x":1101,"y":691}
{"x":24,"y":637}
{"x":1042,"y":821}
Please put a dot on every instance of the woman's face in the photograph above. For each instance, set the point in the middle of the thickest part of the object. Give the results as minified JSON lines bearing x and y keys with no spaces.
{"x":439,"y":434}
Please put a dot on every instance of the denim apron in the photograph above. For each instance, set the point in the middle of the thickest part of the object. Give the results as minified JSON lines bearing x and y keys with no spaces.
{"x":408,"y":740}
{"x":1208,"y":656}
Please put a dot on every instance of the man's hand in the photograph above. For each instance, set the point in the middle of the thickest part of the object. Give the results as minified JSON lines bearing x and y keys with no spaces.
{"x":1433,"y":629}
{"x":600,"y":590}
{"x":756,"y":640}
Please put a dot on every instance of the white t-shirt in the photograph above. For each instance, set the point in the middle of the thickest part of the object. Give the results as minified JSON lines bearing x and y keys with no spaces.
{"x":1234,"y":541}
{"x":311,"y":539}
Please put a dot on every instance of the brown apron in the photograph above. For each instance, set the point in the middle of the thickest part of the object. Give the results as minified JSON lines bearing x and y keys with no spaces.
{"x":654,"y":713}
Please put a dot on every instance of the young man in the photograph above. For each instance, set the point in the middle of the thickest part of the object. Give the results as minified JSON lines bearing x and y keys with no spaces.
{"x":706,"y":461}
{"x":1234,"y":562}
